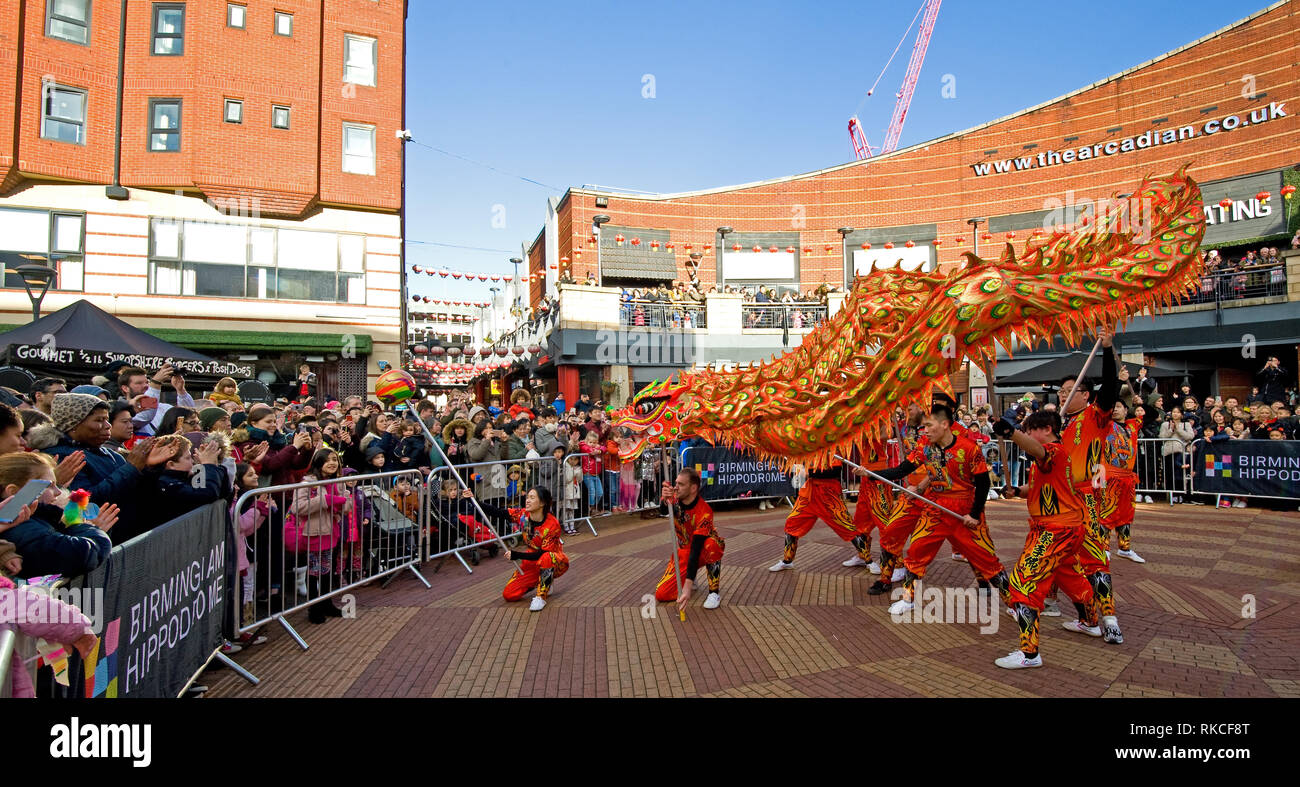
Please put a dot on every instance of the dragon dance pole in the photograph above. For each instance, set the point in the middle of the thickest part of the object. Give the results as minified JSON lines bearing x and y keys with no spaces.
{"x":903,"y":489}
{"x":672,"y":523}
{"x":1065,"y":406}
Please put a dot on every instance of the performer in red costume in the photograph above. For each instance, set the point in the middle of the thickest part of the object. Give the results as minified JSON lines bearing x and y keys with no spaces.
{"x":1056,"y":527}
{"x":906,"y":512}
{"x":958,"y":480}
{"x":821,"y":497}
{"x":875,"y":502}
{"x":540,"y":553}
{"x":698,"y":542}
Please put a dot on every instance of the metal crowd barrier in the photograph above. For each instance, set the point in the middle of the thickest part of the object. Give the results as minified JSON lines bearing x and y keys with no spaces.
{"x":313,"y":541}
{"x":494,"y":487}
{"x":1157,"y":474}
{"x":606,"y":491}
{"x":8,"y":640}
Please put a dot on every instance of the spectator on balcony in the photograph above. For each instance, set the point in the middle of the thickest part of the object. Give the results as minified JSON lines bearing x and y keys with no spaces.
{"x":1295,"y":240}
{"x":1273,"y":379}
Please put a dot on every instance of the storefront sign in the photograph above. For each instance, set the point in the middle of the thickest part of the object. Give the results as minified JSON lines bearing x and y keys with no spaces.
{"x":95,"y":359}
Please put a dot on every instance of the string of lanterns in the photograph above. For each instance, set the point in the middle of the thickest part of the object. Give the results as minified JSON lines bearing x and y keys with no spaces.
{"x":427,"y":299}
{"x":470,"y":275}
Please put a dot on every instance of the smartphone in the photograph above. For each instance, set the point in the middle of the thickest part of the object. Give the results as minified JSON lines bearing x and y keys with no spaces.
{"x":30,"y":491}
{"x":148,"y":403}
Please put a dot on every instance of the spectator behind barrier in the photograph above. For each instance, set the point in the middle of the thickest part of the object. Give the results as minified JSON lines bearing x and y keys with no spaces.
{"x":44,"y":546}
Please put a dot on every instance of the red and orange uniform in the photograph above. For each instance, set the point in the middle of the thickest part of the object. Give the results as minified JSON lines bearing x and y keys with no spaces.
{"x":875,"y":498}
{"x":540,"y":554}
{"x":693,"y":522}
{"x":822,"y":497}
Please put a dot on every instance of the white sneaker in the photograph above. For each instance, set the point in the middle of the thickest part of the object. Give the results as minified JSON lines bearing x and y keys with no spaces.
{"x":958,"y":557}
{"x":1077,"y":625}
{"x":1131,"y":555}
{"x":1147,"y":499}
{"x":1016,"y":660}
{"x":1107,"y":555}
{"x":899,"y":574}
{"x":714,"y":601}
{"x":1050,"y":609}
{"x":873,"y":567}
{"x":538,"y":603}
{"x":1238,"y":503}
{"x":856,"y":561}
{"x":901,"y":606}
{"x":780,"y":565}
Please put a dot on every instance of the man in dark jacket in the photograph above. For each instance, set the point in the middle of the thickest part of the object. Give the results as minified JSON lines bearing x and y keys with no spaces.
{"x":82,"y":423}
{"x":1273,"y":379}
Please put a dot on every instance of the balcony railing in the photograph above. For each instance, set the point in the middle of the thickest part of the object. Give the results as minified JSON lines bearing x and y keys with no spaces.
{"x":1225,"y":286}
{"x":795,"y":316}
{"x":657,"y":314}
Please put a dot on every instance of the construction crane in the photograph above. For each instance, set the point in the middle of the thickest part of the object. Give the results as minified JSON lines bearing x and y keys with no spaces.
{"x":928,"y":13}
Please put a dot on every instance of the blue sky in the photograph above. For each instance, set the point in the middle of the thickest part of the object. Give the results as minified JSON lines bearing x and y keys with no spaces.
{"x":553,"y":92}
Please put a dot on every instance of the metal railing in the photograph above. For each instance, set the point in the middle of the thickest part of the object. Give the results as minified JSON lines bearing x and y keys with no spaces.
{"x":795,"y":316}
{"x":684,"y":315}
{"x":312,"y":541}
{"x":8,"y":641}
{"x":1254,"y":281}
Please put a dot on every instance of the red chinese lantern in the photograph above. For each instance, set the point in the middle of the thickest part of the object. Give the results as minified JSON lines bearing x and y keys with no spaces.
{"x":1287,"y":191}
{"x":1263,"y":196}
{"x":772,"y":248}
{"x":444,"y":274}
{"x":495,"y":277}
{"x":807,"y":250}
{"x":866,"y":246}
{"x":421,"y":349}
{"x":708,"y":247}
{"x":415,"y":298}
{"x":437,"y":352}
{"x":654,"y":244}
{"x":453,"y":351}
{"x":430,"y":272}
{"x":669,"y":246}
{"x":455,"y":274}
{"x":508,"y":279}
{"x":415,"y":268}
{"x":937,"y":242}
{"x":735,"y":247}
{"x":501,"y":351}
{"x":986,"y":236}
{"x":577,"y":253}
{"x":534,"y":349}
{"x":688,"y":247}
{"x":618,"y":239}
{"x":564,"y":260}
{"x":889,"y":245}
{"x":425,"y":299}
{"x":959,"y":239}
{"x":555,"y":267}
{"x":789,"y":249}
{"x":1225,"y":203}
{"x":828,"y":248}
{"x":482,"y":277}
{"x":636,"y":241}
{"x":909,"y":244}
{"x":1011,"y":236}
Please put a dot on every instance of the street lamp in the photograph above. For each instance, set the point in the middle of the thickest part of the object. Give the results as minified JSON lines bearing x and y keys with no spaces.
{"x":721,"y":277}
{"x":37,"y":278}
{"x":975,"y":233}
{"x":849,"y":271}
{"x":518,"y":285}
{"x":596,"y":221}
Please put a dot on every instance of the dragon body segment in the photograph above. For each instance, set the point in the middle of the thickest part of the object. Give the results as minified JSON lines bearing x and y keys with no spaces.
{"x":899,"y":334}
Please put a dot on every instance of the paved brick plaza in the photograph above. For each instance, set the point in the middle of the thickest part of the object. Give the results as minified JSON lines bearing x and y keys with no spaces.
{"x":809,"y":632}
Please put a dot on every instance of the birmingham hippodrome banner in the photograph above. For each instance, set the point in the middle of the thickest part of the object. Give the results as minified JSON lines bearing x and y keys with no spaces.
{"x":725,"y":474}
{"x":1264,"y":468}
{"x":166,"y":598}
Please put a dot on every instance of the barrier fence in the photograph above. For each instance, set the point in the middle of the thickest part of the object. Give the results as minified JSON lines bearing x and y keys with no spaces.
{"x":8,"y":640}
{"x":308,"y":543}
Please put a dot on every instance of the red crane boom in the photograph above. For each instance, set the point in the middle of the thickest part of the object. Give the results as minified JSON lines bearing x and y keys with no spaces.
{"x":895,"y":130}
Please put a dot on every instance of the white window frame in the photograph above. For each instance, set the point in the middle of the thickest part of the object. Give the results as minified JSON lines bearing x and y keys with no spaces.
{"x":275,"y":25}
{"x":225,"y":111}
{"x":230,"y":10}
{"x":288,"y":116}
{"x":349,"y":70}
{"x":373,"y":145}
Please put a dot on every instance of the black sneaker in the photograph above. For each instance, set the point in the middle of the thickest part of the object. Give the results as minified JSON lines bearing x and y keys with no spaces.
{"x":1112,"y":635}
{"x":879,"y":587}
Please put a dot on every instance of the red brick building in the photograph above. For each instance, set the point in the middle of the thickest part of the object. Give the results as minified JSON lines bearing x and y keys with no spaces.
{"x":270,"y":123}
{"x":1227,"y":106}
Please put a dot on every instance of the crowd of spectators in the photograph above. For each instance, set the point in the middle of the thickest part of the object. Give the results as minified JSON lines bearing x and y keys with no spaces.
{"x":1253,"y":274}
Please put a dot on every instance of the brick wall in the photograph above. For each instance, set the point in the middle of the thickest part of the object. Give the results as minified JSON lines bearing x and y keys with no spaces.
{"x":287,"y":171}
{"x":934,"y":182}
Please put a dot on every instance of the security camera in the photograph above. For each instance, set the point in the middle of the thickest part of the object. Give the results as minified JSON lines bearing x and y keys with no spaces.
{"x":404,"y":134}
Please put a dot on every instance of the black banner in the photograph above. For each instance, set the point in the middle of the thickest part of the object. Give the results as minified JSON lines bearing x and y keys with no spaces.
{"x":166,"y":597}
{"x":726,"y":474}
{"x":1266,"y":468}
{"x":28,"y":353}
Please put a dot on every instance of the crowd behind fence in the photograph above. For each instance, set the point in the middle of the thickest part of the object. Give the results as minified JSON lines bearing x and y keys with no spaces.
{"x":795,"y":316}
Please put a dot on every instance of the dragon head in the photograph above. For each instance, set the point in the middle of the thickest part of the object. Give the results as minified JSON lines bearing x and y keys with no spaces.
{"x":655,"y":415}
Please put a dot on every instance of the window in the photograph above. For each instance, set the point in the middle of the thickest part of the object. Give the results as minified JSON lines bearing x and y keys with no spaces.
{"x":236,"y":15}
{"x":241,"y":261}
{"x":63,"y":114}
{"x":358,"y":149}
{"x":359,"y":60}
{"x":68,"y":19}
{"x":169,"y":28}
{"x":234,"y":110}
{"x":42,"y":236}
{"x":283,"y":23}
{"x":279,"y":116}
{"x":165,"y":124}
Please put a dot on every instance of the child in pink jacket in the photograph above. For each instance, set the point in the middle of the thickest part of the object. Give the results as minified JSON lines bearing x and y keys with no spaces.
{"x":64,"y":624}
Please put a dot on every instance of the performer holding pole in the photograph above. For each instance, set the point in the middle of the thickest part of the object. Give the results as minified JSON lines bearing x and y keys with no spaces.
{"x":672,"y":561}
{"x":541,"y":555}
{"x":958,"y":482}
{"x":822,"y":497}
{"x":697,"y":543}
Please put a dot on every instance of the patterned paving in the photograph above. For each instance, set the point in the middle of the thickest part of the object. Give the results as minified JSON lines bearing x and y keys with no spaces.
{"x":1216,"y":612}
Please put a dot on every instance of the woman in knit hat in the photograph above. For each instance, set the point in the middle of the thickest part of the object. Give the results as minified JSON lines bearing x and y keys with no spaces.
{"x":214,"y":419}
